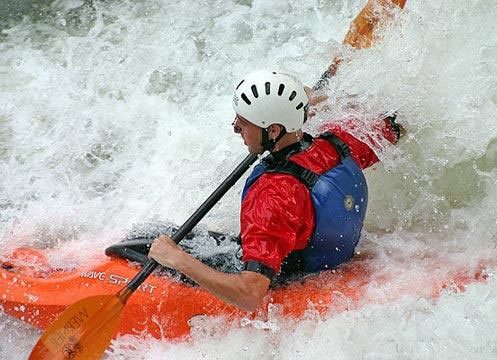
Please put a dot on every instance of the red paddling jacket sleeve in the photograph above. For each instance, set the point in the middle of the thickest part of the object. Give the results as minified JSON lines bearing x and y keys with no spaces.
{"x":277,"y":214}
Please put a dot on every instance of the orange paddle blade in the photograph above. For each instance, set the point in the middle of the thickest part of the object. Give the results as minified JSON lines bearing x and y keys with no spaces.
{"x":83,"y":331}
{"x":360,"y":34}
{"x":362,"y":27}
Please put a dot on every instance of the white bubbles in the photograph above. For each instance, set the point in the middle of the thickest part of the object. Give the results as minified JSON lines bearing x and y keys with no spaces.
{"x":118,"y":112}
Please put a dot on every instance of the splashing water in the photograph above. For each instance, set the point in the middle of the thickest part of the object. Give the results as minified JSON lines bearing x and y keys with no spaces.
{"x":117,"y":112}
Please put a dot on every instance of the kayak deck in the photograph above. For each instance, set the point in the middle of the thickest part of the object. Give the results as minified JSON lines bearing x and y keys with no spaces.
{"x":163,"y":306}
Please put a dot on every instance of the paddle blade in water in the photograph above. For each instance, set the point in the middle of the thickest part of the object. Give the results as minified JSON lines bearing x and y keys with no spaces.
{"x":83,"y":331}
{"x":363,"y":26}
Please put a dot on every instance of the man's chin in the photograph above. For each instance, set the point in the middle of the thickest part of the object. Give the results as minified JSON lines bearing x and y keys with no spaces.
{"x":255,"y":151}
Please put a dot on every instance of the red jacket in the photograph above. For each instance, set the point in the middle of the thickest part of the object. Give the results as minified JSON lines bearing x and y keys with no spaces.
{"x":277,"y":215}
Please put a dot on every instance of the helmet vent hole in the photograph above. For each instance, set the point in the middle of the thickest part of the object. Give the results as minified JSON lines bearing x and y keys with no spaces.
{"x":241,"y":82}
{"x":268,"y":88}
{"x":299,"y":106}
{"x":280,"y":89}
{"x":254,"y":91}
{"x":292,"y":95}
{"x":245,"y":98}
{"x":274,"y":72}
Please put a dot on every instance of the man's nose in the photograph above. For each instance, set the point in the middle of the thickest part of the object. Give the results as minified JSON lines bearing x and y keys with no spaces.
{"x":236,"y":128}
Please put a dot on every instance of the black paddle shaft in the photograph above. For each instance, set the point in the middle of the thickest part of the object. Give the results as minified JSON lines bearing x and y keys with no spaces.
{"x":198,"y":215}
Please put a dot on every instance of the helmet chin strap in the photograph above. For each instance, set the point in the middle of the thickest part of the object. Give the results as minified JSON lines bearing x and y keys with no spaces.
{"x":267,"y":144}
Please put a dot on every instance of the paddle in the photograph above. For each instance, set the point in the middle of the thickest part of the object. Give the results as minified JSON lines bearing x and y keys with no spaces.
{"x":360,"y":34}
{"x":84,"y":330}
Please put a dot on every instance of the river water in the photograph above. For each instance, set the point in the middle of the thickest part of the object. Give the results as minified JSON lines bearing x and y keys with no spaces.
{"x":118,"y":112}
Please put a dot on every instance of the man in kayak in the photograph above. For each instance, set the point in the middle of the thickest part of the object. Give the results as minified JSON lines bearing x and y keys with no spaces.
{"x":303,"y":206}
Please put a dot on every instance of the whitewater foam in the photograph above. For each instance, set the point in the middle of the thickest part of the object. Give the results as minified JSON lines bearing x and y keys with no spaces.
{"x":119,"y":112}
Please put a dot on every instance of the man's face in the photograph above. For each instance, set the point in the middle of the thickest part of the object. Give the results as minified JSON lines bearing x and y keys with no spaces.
{"x":250,"y":133}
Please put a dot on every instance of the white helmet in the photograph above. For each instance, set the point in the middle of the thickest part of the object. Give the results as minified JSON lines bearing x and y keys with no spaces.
{"x":269,"y":97}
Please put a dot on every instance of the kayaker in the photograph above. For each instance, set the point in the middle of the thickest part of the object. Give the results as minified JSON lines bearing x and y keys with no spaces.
{"x":303,"y":206}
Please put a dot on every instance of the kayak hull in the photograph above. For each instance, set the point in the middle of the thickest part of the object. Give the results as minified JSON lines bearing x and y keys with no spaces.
{"x":163,"y":307}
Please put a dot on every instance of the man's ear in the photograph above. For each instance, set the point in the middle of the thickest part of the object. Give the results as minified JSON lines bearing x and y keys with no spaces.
{"x":274,"y":131}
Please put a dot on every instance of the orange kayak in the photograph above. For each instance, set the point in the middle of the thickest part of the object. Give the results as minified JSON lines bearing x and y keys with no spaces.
{"x":163,"y":306}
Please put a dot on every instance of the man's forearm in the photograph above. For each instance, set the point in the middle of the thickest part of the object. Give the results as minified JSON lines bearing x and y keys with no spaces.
{"x":245,"y":290}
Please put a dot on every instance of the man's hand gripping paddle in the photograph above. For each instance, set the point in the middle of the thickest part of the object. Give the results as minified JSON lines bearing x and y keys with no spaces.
{"x":84,"y":330}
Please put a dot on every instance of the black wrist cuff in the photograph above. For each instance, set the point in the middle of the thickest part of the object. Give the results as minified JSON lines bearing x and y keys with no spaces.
{"x":395,"y":127}
{"x":260,"y":268}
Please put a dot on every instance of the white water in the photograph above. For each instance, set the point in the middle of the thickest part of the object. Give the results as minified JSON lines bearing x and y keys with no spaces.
{"x":119,"y":112}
